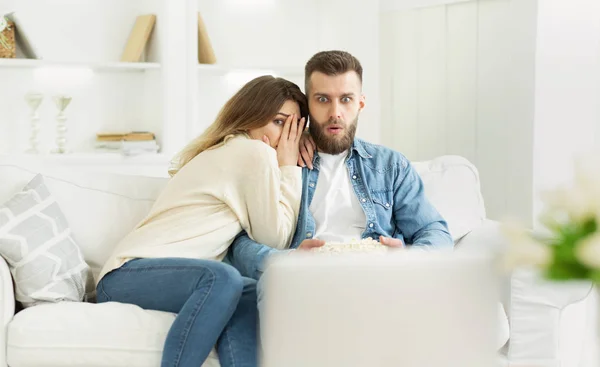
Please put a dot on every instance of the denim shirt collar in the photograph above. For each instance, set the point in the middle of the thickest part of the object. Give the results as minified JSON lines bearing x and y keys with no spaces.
{"x":358,"y":146}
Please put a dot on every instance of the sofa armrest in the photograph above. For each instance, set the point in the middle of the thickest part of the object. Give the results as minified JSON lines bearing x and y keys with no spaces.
{"x":542,"y":321}
{"x":487,"y":237}
{"x":7,"y":306}
{"x":539,"y":310}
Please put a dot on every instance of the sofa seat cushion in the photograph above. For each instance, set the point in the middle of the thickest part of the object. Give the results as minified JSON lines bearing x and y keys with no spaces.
{"x":92,"y":335}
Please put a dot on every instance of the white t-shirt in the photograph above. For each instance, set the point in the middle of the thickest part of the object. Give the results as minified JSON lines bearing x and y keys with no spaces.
{"x":335,"y":207}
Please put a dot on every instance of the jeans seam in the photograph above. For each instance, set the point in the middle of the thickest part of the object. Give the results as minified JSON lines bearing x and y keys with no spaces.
{"x":233,"y":364}
{"x":194,"y":314}
{"x":101,"y":286}
{"x":160,"y":267}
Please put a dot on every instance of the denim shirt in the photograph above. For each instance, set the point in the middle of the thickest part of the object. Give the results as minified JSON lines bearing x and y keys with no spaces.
{"x":392,"y":197}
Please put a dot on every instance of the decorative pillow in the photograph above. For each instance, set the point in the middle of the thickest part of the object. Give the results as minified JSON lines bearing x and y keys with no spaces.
{"x":35,"y":240}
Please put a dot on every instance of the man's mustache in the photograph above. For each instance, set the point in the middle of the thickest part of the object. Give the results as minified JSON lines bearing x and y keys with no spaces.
{"x":335,"y":122}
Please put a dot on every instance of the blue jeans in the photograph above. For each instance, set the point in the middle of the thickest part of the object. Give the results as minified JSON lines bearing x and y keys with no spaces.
{"x":213,"y":302}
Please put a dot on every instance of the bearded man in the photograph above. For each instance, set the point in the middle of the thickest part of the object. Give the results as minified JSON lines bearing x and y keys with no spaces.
{"x":352,"y":189}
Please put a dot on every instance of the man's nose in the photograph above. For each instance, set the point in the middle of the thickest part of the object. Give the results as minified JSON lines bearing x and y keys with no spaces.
{"x":335,"y":112}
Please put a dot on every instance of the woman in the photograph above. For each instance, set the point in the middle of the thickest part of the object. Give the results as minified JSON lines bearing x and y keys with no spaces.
{"x":240,"y":174}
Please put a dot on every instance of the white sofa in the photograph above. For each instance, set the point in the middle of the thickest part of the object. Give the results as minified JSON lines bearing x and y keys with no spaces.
{"x":102,"y":207}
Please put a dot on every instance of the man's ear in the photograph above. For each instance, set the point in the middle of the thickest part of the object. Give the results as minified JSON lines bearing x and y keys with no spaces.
{"x":361,"y":102}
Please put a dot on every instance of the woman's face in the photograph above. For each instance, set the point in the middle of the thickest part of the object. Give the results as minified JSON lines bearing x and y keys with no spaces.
{"x":273,"y":129}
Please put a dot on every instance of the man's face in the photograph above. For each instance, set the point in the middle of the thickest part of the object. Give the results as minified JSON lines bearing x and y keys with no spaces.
{"x":334,"y":103}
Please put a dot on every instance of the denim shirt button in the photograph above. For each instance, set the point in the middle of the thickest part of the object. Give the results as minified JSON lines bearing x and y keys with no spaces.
{"x":312,"y":184}
{"x":308,"y":234}
{"x":354,"y":177}
{"x":364,"y":200}
{"x":387,"y":205}
{"x":370,"y":225}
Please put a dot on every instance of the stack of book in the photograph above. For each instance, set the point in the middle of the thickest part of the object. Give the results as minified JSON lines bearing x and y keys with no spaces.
{"x":127,"y":143}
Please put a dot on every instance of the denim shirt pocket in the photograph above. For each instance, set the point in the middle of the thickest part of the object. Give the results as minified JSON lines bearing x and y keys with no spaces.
{"x":382,"y":199}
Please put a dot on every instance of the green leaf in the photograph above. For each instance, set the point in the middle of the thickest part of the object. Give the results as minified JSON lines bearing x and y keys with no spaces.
{"x":563,"y":271}
{"x":565,"y":265}
{"x":595,"y":276}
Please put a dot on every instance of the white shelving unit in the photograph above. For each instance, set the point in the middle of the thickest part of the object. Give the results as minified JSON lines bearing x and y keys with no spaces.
{"x":169,"y":93}
{"x":106,"y":67}
{"x":153,"y":165}
{"x":80,"y":44}
{"x":104,"y":158}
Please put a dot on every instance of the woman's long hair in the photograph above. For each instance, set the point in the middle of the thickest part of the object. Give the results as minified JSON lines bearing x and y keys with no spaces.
{"x":253,"y":106}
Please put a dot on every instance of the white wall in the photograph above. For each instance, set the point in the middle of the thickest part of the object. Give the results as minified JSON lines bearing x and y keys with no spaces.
{"x":278,"y":37}
{"x":252,"y":38}
{"x":353,"y":26}
{"x":459,"y":79}
{"x":567,"y":115}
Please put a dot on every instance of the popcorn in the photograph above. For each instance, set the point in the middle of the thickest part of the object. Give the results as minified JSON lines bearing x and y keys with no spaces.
{"x":365,"y":245}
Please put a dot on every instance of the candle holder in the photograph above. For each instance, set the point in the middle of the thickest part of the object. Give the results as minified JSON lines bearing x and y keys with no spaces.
{"x":61,"y":102}
{"x":33,"y":101}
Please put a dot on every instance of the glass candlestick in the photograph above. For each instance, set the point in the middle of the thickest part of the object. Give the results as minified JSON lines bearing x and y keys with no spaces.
{"x":33,"y":101}
{"x":61,"y":102}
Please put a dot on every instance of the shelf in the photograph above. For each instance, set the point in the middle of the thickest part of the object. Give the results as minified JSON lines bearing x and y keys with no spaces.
{"x":93,"y":158}
{"x":149,"y":165}
{"x":225,"y":69}
{"x":101,"y":67}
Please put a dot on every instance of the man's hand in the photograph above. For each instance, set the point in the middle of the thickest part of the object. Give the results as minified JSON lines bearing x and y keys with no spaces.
{"x":391,"y":242}
{"x":307,"y":150}
{"x":309,"y":244}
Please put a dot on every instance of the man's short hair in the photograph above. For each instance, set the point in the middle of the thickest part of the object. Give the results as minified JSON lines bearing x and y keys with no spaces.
{"x":331,"y":63}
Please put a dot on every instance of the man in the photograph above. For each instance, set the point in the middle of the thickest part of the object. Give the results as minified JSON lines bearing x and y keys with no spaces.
{"x":355,"y":189}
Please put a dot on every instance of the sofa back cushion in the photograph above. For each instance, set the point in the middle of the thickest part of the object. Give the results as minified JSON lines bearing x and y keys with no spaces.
{"x":452,"y":185}
{"x":36,"y":242}
{"x":100,"y":208}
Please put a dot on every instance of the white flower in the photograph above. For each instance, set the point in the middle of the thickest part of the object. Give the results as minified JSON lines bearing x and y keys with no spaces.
{"x":524,"y":250}
{"x":579,"y":201}
{"x":570,"y":203}
{"x":587,"y":180}
{"x":579,"y":205}
{"x":3,"y":23}
{"x":587,"y":173}
{"x":587,"y":251}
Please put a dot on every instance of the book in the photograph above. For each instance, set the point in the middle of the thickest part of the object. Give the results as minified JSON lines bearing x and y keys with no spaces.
{"x":206,"y":54}
{"x":8,"y":46}
{"x":138,"y":38}
{"x":22,"y":38}
{"x":124,"y":145}
{"x":125,"y":136}
{"x":128,"y":147}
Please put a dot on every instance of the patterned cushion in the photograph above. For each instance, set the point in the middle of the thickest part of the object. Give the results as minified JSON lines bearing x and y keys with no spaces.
{"x":35,"y":240}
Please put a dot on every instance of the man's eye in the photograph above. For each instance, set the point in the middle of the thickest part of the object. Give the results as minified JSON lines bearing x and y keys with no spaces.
{"x":322,"y":99}
{"x":346,"y":99}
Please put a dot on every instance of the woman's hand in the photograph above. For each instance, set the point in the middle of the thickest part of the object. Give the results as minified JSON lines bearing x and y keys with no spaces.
{"x":307,"y":150}
{"x":289,"y":142}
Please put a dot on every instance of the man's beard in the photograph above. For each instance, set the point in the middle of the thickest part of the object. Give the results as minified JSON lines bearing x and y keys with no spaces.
{"x":334,"y":144}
